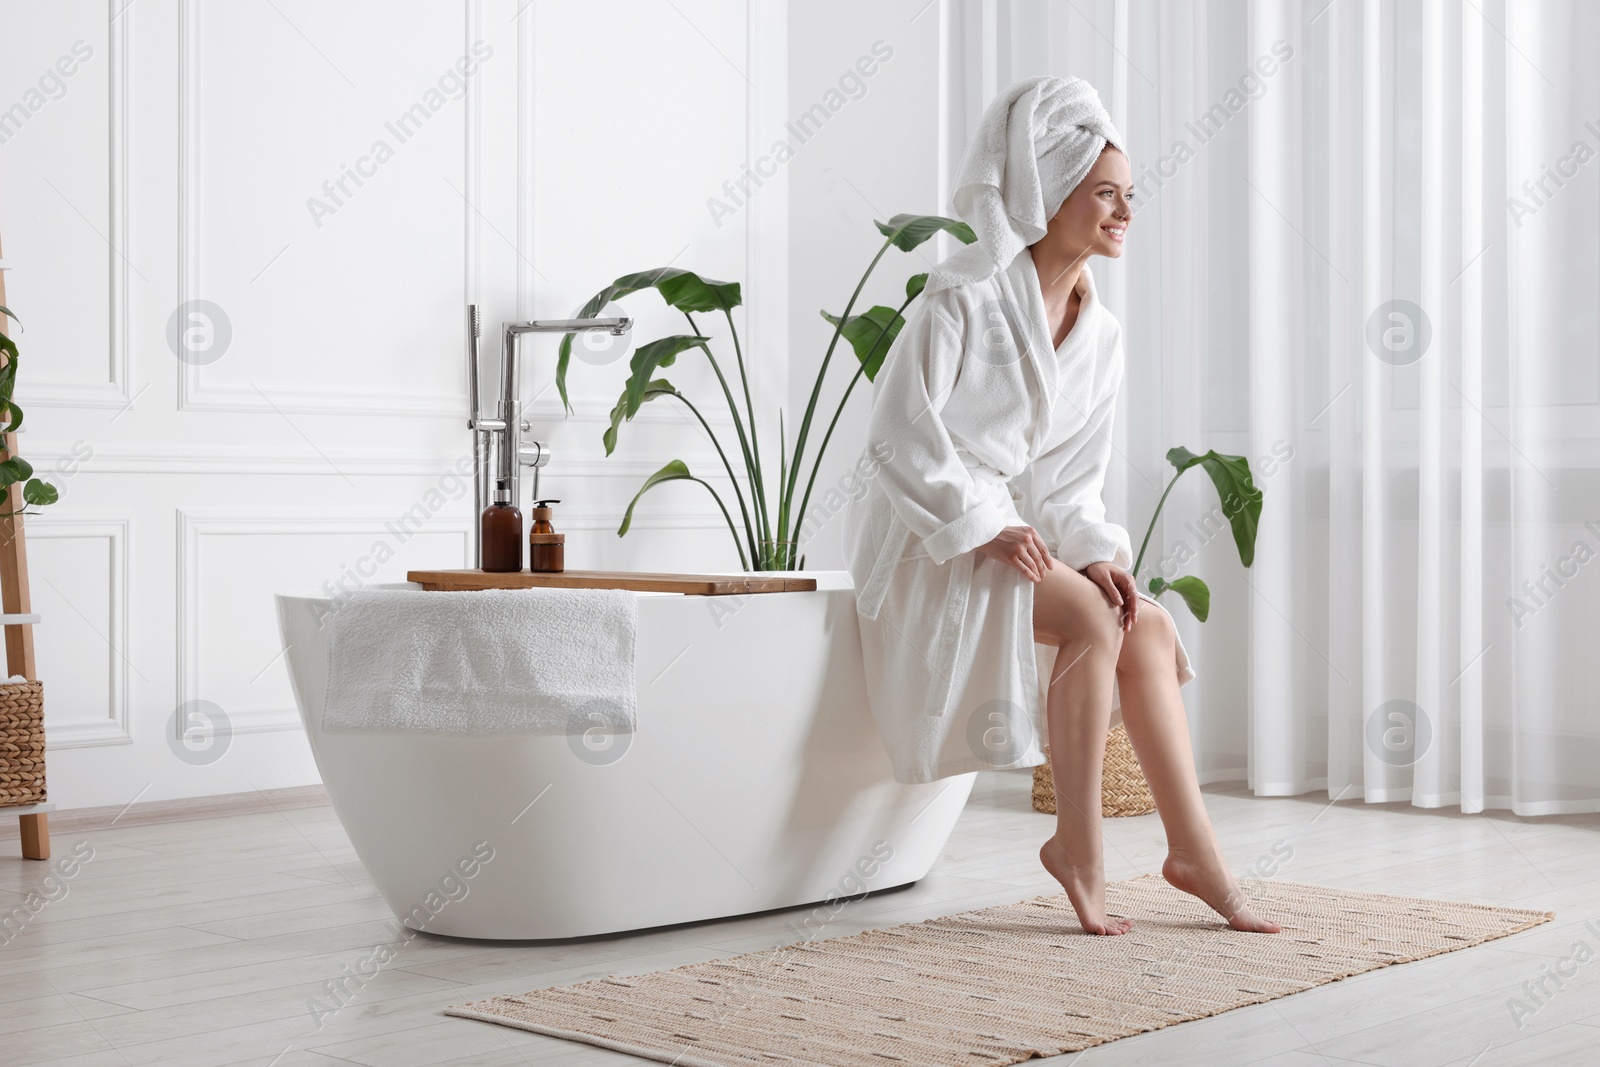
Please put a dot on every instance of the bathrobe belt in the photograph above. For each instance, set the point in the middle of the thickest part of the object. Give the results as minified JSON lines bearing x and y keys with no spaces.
{"x":869,"y":598}
{"x":951,"y":629}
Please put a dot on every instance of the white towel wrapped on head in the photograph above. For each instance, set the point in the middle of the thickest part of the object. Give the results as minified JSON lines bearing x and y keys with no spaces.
{"x":484,"y":662}
{"x":1035,"y":143}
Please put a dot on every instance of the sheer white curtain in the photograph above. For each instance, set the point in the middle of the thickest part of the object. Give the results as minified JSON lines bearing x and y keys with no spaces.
{"x":1368,"y":259}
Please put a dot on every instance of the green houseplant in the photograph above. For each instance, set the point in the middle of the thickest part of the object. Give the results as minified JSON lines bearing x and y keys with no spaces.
{"x":1241,"y":506}
{"x":14,"y":468}
{"x":768,"y":542}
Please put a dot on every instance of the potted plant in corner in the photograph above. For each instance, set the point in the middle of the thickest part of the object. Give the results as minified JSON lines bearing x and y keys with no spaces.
{"x":1123,"y":788}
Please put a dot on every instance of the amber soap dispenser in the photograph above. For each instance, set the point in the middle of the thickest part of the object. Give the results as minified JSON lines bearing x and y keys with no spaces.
{"x":546,"y":548}
{"x":501,"y":527}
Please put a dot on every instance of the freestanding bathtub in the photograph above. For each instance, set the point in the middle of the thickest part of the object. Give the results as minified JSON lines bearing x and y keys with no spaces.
{"x":755,"y":780}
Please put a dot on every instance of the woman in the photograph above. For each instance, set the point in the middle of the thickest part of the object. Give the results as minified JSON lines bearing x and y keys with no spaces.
{"x":981,"y":547}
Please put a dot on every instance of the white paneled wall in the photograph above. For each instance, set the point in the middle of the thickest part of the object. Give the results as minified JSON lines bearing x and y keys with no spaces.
{"x":337,"y":181}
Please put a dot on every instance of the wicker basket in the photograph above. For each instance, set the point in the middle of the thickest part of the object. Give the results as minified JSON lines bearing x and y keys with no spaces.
{"x":21,"y":744}
{"x":1123,"y":790}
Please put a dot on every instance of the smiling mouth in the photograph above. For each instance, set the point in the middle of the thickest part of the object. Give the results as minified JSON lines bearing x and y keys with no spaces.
{"x":1116,"y":232}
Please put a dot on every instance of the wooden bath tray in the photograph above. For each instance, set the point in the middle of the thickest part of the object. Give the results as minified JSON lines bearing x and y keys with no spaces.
{"x":699,"y":584}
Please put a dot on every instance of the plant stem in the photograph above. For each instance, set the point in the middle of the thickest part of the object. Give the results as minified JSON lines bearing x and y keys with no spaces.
{"x":783,"y":470}
{"x":743,"y":564}
{"x":758,"y":488}
{"x":823,"y":448}
{"x":800,"y":515}
{"x":733,"y":409}
{"x":743,"y":511}
{"x":1152,"y":528}
{"x":816,"y":390}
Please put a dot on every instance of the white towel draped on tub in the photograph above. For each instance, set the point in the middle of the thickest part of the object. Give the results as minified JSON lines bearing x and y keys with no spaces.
{"x":484,"y":662}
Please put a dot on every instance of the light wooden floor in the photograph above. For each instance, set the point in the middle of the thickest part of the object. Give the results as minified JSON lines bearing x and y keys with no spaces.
{"x":199,"y":943}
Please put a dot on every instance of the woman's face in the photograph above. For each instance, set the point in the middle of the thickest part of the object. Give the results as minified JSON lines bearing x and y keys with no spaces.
{"x":1093,"y":219}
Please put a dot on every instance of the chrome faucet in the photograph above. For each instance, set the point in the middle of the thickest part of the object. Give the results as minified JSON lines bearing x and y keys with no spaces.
{"x":502,"y":433}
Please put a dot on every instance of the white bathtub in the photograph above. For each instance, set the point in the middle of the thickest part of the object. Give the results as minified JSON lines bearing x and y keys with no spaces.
{"x":755,"y":780}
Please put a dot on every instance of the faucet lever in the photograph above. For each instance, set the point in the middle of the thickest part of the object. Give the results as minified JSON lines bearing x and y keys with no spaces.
{"x":534,"y":454}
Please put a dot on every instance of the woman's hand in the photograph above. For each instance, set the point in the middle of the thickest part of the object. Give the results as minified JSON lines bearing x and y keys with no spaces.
{"x":1022,"y":548}
{"x":1117,"y":585}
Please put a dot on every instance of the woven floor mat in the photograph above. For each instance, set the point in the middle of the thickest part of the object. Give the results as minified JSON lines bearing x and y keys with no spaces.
{"x":1002,"y":984}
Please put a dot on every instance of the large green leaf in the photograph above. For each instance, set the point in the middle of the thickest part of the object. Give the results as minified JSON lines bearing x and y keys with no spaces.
{"x":915,"y":284}
{"x":1194,"y":592}
{"x":659,"y":387}
{"x":909,"y":231}
{"x":1241,"y":500}
{"x":15,"y":469}
{"x":39,"y":492}
{"x":646,"y":360}
{"x":675,"y":471}
{"x":870,"y":334}
{"x":682,"y":289}
{"x":16,"y":415}
{"x":687,"y":291}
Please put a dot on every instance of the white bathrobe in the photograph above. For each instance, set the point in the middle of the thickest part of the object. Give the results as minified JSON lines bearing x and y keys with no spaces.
{"x":984,"y":425}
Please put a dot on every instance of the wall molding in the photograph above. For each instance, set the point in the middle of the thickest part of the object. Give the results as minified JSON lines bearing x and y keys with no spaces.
{"x":235,"y":399}
{"x":194,"y":394}
{"x":40,"y":391}
{"x":115,"y":729}
{"x":47,"y":458}
{"x":527,"y":111}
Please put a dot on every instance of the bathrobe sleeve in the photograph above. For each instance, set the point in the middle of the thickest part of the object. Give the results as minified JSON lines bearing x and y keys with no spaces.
{"x":929,"y":486}
{"x":1067,"y":481}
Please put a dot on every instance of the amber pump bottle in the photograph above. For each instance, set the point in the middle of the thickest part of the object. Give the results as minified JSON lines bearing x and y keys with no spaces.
{"x":546,"y":548}
{"x":501,"y":527}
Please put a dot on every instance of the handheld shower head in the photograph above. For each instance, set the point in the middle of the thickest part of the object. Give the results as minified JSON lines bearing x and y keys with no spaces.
{"x":480,"y":488}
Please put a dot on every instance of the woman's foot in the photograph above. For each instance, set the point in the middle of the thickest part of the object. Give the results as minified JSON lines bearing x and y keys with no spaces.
{"x":1209,"y":880}
{"x":1086,"y":888}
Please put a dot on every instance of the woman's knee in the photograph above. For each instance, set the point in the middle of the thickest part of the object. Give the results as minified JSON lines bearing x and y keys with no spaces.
{"x":1151,"y":640}
{"x":1079,"y":615}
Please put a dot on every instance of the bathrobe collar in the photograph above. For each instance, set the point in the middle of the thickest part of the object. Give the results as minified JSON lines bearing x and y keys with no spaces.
{"x":1025,"y":292}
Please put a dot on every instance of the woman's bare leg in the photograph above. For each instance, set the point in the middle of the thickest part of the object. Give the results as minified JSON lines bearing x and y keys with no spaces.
{"x":1153,"y":714}
{"x":1070,"y":612}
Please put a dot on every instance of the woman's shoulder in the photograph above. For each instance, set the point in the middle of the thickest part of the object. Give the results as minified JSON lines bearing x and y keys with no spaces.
{"x":948,"y":305}
{"x":1110,"y":331}
{"x":962,"y":301}
{"x":964,"y":282}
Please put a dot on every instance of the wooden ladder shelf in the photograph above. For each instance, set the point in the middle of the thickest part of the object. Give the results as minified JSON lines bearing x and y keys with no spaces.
{"x":18,"y":621}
